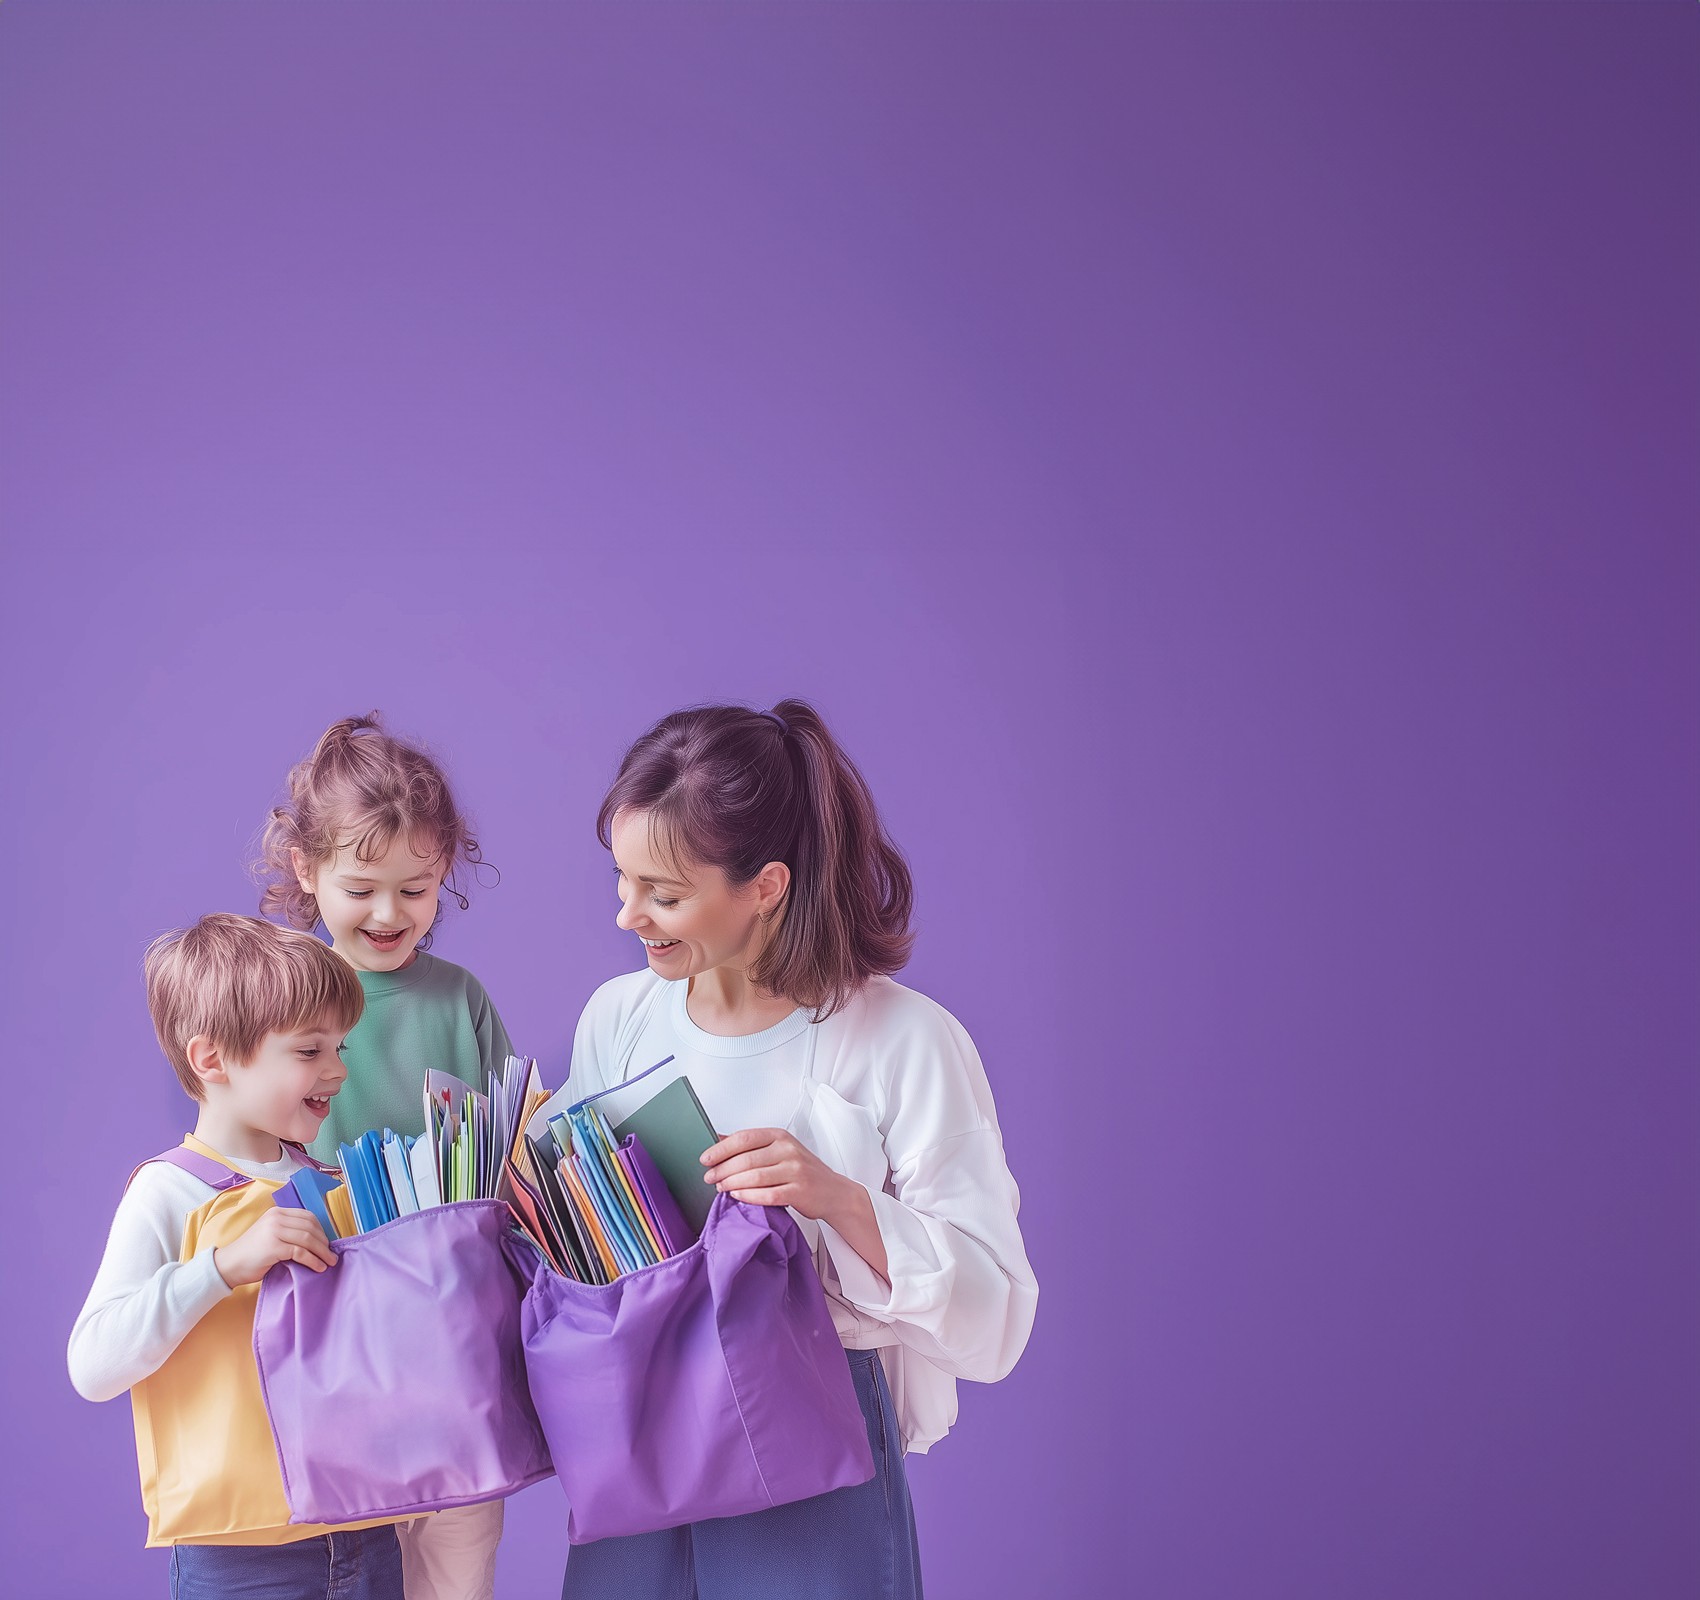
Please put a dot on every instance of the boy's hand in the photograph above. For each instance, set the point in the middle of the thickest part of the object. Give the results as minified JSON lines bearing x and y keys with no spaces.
{"x":282,"y":1234}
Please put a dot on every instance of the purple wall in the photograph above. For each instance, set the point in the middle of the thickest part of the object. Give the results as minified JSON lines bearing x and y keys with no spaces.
{"x":1224,"y":472}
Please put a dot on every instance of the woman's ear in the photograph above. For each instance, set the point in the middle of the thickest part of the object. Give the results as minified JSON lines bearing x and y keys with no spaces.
{"x":206,"y":1060}
{"x":305,"y":875}
{"x":773,"y":883}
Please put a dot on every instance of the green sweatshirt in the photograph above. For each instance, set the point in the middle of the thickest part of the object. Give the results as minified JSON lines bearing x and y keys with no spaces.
{"x":430,"y":1014}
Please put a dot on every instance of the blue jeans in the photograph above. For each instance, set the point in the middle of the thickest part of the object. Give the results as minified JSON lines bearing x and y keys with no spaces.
{"x":362,"y":1565}
{"x":852,"y":1544}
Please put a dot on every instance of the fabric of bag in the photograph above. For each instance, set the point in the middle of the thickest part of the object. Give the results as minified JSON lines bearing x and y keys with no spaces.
{"x":395,"y":1380}
{"x":203,"y":1443}
{"x":708,"y":1385}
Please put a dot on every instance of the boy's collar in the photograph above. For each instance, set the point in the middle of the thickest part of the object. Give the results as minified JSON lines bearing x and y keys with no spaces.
{"x":201,"y":1147}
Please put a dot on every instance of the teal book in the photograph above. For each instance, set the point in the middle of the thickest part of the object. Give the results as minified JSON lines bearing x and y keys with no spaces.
{"x":674,"y":1129}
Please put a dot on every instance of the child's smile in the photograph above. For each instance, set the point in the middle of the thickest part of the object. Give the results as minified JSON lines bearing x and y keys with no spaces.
{"x":283,"y":1092}
{"x":377,"y":911}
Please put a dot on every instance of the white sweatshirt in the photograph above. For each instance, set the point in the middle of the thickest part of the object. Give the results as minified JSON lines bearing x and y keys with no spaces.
{"x":145,"y":1300}
{"x":889,"y":1091}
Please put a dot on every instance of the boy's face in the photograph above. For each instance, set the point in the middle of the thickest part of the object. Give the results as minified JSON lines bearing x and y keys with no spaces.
{"x":285,"y":1091}
{"x":376,"y":912}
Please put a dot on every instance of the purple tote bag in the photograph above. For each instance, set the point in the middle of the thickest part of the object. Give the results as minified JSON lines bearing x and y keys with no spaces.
{"x":395,"y":1380}
{"x":708,"y":1385}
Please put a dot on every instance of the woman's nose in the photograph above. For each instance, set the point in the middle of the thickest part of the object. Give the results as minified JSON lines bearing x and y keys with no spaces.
{"x":625,"y":919}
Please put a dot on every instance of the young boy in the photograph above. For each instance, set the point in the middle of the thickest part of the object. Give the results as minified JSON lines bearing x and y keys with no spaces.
{"x":252,"y":1017}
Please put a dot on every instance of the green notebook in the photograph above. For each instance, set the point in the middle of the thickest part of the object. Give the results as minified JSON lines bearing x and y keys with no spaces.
{"x":673,"y":1127}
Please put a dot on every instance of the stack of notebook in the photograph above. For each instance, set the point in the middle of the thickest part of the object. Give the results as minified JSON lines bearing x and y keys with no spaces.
{"x":599,"y":1200}
{"x":463,"y":1154}
{"x":602,"y":1200}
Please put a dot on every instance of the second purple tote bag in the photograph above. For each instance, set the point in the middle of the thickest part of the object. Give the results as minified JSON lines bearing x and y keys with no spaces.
{"x":707,"y":1385}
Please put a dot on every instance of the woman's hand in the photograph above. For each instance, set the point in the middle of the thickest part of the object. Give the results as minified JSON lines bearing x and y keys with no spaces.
{"x":769,"y":1167}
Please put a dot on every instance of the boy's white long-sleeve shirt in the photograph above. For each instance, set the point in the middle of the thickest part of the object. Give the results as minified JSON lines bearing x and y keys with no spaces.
{"x":145,"y":1300}
{"x":891,"y":1092}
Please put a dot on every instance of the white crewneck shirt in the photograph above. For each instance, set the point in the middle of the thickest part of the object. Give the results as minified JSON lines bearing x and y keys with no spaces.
{"x":145,"y":1300}
{"x":891,"y":1092}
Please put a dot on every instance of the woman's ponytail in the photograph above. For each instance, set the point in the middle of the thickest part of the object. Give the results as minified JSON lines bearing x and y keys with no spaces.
{"x":847,"y":914}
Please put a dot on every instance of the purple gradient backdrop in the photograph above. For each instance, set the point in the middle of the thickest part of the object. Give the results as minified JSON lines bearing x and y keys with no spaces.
{"x":1226,"y":473}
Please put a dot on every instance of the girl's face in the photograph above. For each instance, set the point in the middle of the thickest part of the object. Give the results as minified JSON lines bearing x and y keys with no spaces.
{"x":376,"y":912}
{"x":688,"y":916}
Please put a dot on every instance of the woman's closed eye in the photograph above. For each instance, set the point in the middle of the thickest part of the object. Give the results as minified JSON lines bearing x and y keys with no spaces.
{"x":666,"y":905}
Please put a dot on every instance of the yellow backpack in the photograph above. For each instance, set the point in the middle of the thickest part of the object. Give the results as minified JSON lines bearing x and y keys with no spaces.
{"x":208,"y":1460}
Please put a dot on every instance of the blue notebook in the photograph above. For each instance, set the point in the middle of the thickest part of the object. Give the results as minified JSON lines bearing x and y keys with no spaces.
{"x":306,"y":1191}
{"x":368,"y":1188}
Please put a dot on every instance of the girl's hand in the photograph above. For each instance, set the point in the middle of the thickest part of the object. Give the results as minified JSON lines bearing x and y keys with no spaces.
{"x":282,"y":1234}
{"x":768,"y":1167}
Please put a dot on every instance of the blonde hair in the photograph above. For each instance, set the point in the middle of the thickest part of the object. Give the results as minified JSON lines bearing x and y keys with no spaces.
{"x":236,"y":979}
{"x":363,"y":787}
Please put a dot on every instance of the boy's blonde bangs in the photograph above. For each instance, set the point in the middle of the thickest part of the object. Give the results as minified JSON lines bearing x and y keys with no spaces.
{"x":235,"y":979}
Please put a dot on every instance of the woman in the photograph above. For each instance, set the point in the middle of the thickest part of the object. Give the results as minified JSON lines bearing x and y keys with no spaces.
{"x":772,"y":908}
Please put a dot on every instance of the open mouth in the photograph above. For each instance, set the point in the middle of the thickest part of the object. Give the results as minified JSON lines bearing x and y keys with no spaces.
{"x":318,"y":1104}
{"x":659,"y":946}
{"x":383,"y":941}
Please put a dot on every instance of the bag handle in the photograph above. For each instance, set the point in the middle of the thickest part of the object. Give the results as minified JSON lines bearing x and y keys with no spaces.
{"x":625,"y":1083}
{"x":625,"y":1047}
{"x":301,"y":1154}
{"x":215,"y":1174}
{"x":809,"y":1065}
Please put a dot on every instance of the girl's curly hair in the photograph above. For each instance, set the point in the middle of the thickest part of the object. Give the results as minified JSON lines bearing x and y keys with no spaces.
{"x":363,"y":787}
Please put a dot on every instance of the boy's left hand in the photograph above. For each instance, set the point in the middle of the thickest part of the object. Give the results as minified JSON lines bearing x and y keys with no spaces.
{"x":769,"y":1167}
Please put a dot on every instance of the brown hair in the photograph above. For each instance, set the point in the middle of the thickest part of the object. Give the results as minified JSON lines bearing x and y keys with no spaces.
{"x":736,"y":789}
{"x":361,"y":786}
{"x":236,"y":979}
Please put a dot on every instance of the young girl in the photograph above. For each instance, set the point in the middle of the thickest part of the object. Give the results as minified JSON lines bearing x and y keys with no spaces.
{"x":370,"y":837}
{"x":772,"y":908}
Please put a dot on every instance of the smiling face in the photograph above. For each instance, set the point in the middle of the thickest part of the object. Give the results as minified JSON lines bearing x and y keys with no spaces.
{"x":283,"y":1092}
{"x":376,"y":912}
{"x":688,"y":916}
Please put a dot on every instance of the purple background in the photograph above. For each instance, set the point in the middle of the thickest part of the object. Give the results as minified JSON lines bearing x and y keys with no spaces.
{"x":1225,"y":474}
